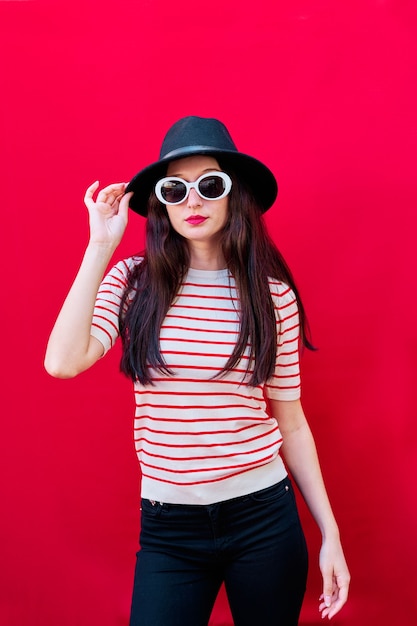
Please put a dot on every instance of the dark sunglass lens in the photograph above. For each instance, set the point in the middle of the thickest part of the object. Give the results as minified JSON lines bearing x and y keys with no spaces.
{"x":173,"y":191}
{"x":212,"y":186}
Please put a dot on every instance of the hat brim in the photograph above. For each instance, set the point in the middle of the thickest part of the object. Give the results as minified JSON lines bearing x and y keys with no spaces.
{"x":259,"y":178}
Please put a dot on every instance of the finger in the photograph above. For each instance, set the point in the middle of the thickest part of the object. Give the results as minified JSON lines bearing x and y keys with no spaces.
{"x":328,"y":589}
{"x":123,"y":191}
{"x":114,"y":189}
{"x":328,"y":597}
{"x":111,"y":194}
{"x":124,"y":205}
{"x":90,"y":190}
{"x":340,"y":600}
{"x":335,"y":608}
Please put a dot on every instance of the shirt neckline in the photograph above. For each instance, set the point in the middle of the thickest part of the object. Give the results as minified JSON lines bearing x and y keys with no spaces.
{"x":193,"y":273}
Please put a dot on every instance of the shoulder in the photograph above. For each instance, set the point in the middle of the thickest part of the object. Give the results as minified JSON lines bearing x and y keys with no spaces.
{"x":125,"y":266}
{"x":281,"y":293}
{"x":120,"y":272}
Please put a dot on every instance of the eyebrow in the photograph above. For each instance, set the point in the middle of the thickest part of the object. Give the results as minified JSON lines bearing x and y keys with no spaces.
{"x":209,"y":169}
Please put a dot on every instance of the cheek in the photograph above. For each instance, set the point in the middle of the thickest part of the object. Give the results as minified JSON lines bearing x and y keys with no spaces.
{"x":173,"y":218}
{"x":224,"y":214}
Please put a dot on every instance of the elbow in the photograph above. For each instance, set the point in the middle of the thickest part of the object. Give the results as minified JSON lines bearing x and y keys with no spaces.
{"x":57,"y":369}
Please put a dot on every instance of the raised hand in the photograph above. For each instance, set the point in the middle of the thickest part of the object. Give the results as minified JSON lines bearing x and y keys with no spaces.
{"x":108,"y":213}
{"x":71,"y":348}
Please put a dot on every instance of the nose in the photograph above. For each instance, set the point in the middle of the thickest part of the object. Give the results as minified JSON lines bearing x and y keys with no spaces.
{"x":194,"y":200}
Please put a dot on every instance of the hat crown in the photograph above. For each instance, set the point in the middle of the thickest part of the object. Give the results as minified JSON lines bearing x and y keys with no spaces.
{"x":193,"y":133}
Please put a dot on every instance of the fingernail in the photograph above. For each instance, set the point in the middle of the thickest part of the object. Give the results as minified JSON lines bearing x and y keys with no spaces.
{"x":327,"y":600}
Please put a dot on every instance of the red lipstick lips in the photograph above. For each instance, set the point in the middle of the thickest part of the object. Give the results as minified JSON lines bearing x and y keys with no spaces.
{"x":195,"y":219}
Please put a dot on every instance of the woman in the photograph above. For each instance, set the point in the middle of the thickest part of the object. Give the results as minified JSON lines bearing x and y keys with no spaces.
{"x":210,"y":322}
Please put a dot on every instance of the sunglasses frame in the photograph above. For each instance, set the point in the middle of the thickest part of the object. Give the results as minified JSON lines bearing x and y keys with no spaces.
{"x":188,"y":186}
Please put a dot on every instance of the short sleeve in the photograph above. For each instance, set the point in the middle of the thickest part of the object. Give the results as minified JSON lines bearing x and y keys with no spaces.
{"x":285,"y":384}
{"x":105,"y":324}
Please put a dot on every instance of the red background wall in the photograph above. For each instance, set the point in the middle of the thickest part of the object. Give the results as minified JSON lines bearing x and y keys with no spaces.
{"x":325,"y":93}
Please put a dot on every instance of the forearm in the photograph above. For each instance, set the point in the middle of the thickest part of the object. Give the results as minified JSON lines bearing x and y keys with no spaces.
{"x":70,"y":348}
{"x":300,"y":455}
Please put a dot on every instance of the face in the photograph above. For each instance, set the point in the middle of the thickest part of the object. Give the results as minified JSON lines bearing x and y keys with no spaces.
{"x":198,"y":220}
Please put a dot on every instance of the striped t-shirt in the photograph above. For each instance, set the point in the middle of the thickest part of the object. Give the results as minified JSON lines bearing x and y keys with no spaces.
{"x":202,"y":439}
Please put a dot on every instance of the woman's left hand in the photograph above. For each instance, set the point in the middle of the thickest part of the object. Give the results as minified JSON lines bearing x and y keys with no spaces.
{"x":336,"y":578}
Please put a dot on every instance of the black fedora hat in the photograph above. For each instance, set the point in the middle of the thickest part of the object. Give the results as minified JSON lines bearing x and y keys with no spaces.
{"x":198,"y":135}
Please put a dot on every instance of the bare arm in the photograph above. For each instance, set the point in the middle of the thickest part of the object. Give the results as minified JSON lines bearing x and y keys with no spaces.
{"x":300,"y":455}
{"x":71,"y":348}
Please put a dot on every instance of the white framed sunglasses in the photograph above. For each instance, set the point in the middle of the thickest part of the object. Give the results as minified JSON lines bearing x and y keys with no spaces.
{"x":209,"y":186}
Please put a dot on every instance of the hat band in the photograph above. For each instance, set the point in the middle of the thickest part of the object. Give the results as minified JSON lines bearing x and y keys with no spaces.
{"x":181,"y":152}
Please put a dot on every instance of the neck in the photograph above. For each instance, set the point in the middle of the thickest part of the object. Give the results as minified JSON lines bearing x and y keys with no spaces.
{"x":206,"y":258}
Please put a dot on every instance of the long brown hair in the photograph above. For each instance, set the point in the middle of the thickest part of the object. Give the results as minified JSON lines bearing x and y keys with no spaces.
{"x":251,"y":257}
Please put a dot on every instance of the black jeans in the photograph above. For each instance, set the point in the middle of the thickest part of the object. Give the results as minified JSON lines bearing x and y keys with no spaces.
{"x":254,"y":544}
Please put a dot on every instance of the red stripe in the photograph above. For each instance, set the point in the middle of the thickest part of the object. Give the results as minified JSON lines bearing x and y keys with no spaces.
{"x":288,"y":353}
{"x":101,"y":296}
{"x":197,"y":393}
{"x":200,"y":319}
{"x":287,"y":364}
{"x":283,"y":387}
{"x":214,"y":456}
{"x":286,"y":305}
{"x":283,"y":343}
{"x":135,"y":261}
{"x":210,"y":285}
{"x":114,"y":304}
{"x":105,"y":308}
{"x":259,"y":421}
{"x":208,"y":469}
{"x":104,"y":331}
{"x":280,"y":376}
{"x":121,"y":278}
{"x":208,"y":355}
{"x":111,"y":285}
{"x":199,"y":341}
{"x":217,"y":381}
{"x":212,"y":407}
{"x":202,"y":445}
{"x":280,"y":294}
{"x":199,"y":330}
{"x":204,"y":308}
{"x":287,"y":330}
{"x":203,"y":368}
{"x":205,"y":482}
{"x":209,"y":297}
{"x":285,"y":319}
{"x":100,"y":317}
